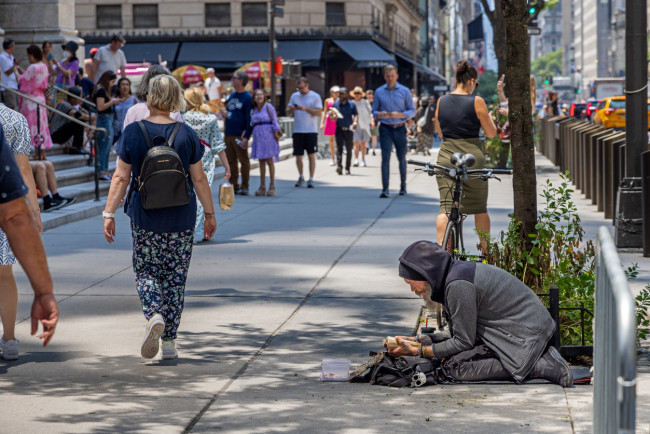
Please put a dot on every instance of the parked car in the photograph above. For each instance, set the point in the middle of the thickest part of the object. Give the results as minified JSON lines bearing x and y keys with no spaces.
{"x":611,"y":112}
{"x":578,"y":110}
{"x":592,"y":108}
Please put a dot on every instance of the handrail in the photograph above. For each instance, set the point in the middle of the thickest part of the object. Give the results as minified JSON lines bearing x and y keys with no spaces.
{"x":614,"y":343}
{"x":90,"y":103}
{"x":59,"y":112}
{"x":77,"y":121}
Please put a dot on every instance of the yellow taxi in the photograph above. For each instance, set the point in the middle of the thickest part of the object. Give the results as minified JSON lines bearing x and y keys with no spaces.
{"x":611,"y":112}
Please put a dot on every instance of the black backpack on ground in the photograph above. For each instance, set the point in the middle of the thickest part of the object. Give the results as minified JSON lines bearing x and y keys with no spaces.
{"x":403,"y":371}
{"x":163,"y":181}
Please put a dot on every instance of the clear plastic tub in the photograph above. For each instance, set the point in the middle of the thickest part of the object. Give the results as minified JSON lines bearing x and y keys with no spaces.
{"x":335,"y":370}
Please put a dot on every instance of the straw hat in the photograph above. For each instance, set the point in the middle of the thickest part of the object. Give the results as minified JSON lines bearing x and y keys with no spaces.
{"x":358,"y":89}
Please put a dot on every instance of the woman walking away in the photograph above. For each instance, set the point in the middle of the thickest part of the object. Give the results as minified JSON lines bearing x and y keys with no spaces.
{"x":205,"y":125}
{"x":329,"y":125}
{"x":361,"y":135}
{"x":34,"y":82}
{"x":374,"y":130}
{"x":105,"y":119}
{"x":266,"y":148}
{"x":162,"y":236}
{"x":460,"y":116}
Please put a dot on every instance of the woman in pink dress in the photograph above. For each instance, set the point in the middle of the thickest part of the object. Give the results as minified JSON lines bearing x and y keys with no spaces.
{"x":34,"y":82}
{"x":328,"y":125}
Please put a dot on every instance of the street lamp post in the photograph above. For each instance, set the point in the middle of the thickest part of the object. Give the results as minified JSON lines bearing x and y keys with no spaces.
{"x":629,"y":217}
{"x":275,"y":11}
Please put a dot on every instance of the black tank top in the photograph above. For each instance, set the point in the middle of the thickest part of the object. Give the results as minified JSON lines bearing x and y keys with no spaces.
{"x":457,"y":117}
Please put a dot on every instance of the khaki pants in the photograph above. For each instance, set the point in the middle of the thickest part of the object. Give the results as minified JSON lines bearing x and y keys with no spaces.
{"x":236,"y":155}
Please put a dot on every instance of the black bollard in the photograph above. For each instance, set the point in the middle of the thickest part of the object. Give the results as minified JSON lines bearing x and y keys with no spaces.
{"x":645,"y":183}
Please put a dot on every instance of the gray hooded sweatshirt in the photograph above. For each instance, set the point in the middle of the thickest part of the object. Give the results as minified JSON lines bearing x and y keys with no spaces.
{"x":484,"y":304}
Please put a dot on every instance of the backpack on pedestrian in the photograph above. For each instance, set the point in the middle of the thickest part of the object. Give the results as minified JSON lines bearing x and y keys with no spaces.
{"x":163,"y":181}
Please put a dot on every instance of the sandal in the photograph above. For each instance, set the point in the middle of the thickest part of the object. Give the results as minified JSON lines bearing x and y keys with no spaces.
{"x":260,"y":191}
{"x":271,"y":191}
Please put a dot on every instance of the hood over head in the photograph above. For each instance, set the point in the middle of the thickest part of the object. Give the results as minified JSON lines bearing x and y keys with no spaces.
{"x":427,"y":261}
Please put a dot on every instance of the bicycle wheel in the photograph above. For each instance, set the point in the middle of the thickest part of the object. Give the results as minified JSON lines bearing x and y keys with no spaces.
{"x":449,"y":241}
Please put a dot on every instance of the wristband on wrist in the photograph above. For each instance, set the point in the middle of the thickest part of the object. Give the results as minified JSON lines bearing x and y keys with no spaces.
{"x":108,"y":215}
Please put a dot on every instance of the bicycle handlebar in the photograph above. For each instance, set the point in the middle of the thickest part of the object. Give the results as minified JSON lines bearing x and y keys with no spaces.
{"x":432,"y":167}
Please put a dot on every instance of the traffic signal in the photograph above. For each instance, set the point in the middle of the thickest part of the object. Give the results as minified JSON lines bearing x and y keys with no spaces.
{"x":534,"y":8}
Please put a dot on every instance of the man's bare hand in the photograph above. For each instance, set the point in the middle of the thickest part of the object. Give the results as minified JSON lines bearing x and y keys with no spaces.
{"x":404,"y":348}
{"x":45,"y":310}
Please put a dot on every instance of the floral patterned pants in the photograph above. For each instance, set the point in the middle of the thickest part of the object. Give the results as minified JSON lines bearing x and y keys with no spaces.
{"x":161,"y":263}
{"x":207,"y":162}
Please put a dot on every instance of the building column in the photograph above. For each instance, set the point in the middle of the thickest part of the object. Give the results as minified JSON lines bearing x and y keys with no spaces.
{"x":54,"y":22}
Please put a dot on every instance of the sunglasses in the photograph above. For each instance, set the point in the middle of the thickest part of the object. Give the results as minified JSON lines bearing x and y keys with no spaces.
{"x":475,"y":84}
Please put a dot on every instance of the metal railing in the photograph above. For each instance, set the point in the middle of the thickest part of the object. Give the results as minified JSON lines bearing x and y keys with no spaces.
{"x":75,"y":120}
{"x":614,"y":343}
{"x":85,"y":101}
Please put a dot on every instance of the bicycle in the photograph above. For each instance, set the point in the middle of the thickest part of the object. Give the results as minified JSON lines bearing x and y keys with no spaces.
{"x":452,"y":241}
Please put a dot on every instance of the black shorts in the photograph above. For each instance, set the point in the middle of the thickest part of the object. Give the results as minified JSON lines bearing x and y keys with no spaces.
{"x":305,"y":142}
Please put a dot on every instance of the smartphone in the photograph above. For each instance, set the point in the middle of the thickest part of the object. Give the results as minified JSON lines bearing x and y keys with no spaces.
{"x":502,"y":79}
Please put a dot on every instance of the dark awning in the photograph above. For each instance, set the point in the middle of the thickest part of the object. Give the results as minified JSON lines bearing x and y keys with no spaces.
{"x":366,"y":53}
{"x":423,"y":70}
{"x":137,"y":52}
{"x":309,"y":53}
{"x":232,"y":55}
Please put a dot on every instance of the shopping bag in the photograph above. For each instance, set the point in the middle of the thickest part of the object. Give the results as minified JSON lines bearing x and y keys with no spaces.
{"x":226,"y":196}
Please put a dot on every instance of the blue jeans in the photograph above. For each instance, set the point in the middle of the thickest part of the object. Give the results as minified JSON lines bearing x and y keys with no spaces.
{"x":387,"y":137}
{"x":104,"y":141}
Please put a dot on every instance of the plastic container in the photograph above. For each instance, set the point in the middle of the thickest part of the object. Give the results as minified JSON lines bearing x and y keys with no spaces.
{"x":335,"y":370}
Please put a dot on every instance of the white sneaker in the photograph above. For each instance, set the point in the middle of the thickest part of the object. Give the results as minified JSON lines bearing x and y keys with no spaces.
{"x":356,"y":163}
{"x":363,"y":163}
{"x":155,"y":328}
{"x":169,"y":350}
{"x":9,"y":349}
{"x":333,"y":163}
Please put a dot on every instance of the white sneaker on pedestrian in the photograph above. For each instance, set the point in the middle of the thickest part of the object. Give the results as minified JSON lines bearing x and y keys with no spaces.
{"x":333,"y":163}
{"x":363,"y":163}
{"x":168,"y":350}
{"x":356,"y":163}
{"x":150,"y":343}
{"x":9,"y":349}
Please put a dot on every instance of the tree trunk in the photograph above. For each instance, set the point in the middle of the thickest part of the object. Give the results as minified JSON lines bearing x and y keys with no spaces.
{"x":520,"y":115}
{"x":499,"y":33}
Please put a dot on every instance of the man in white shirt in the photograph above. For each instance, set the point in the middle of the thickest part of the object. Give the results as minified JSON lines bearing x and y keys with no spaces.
{"x":110,"y":58}
{"x":306,"y":107}
{"x":9,"y":74}
{"x":212,"y":86}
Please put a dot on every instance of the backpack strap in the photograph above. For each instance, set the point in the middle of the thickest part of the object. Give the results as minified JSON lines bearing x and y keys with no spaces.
{"x":172,"y":136}
{"x":145,"y":133}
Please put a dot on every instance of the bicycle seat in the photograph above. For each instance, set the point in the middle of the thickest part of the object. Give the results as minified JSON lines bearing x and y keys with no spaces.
{"x":460,"y":160}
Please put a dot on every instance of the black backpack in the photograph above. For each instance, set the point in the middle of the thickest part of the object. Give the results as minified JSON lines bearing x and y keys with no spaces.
{"x":403,"y":371}
{"x":163,"y":181}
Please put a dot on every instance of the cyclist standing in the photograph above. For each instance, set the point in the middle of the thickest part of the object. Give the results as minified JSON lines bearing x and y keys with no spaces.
{"x":460,"y":116}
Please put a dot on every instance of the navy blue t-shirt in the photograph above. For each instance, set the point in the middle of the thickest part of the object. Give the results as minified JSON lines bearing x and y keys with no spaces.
{"x":12,"y":186}
{"x":348,"y":110}
{"x":132,"y":149}
{"x":239,"y":108}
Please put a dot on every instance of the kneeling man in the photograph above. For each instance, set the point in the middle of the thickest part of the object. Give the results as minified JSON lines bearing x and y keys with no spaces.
{"x":498,"y":327}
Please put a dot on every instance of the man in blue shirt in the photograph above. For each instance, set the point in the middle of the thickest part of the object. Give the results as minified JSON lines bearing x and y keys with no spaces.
{"x":345,"y":126}
{"x":238,"y":131}
{"x":393,"y":107}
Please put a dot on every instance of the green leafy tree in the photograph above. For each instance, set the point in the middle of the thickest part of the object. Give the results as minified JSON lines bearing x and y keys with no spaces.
{"x":488,"y":88}
{"x":547,"y":65}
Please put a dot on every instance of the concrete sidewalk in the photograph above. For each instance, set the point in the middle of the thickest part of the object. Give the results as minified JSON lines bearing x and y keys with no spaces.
{"x":287,"y":281}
